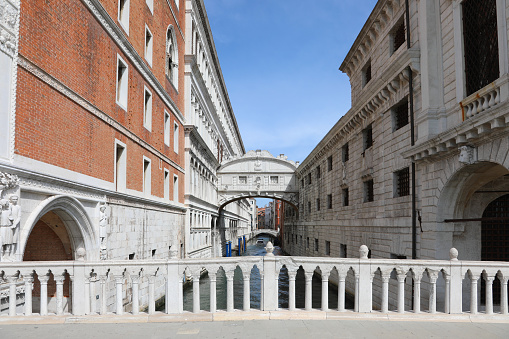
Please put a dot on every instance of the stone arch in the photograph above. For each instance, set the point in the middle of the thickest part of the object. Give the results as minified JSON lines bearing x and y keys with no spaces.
{"x":172,"y":59}
{"x":463,"y":198}
{"x":75,"y":219}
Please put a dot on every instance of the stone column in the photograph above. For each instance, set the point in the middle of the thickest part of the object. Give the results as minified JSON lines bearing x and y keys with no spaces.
{"x":151,"y":294}
{"x":503,"y":295}
{"x":103,"y":294}
{"x":229,"y":291}
{"x":135,"y":280}
{"x":196,"y":293}
{"x":87,"y":295}
{"x":325,"y":292}
{"x":489,"y":293}
{"x":29,"y":280}
{"x":433,"y":276}
{"x":447,"y":304}
{"x":213,"y":297}
{"x":401,"y":292}
{"x":385,"y":292}
{"x":173,"y":284}
{"x":341,"y":291}
{"x":93,"y":302}
{"x":309,"y":291}
{"x":43,"y":279}
{"x":247,"y":295}
{"x":118,"y":295}
{"x":12,"y":279}
{"x":59,"y":279}
{"x":269,"y":282}
{"x":291,"y":290}
{"x":473,"y":293}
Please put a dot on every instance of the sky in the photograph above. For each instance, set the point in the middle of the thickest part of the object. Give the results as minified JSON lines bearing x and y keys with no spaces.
{"x":280,"y":60}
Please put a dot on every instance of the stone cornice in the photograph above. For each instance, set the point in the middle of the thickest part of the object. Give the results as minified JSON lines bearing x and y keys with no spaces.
{"x":210,"y":40}
{"x":382,"y":94}
{"x":118,"y":36}
{"x":80,"y":101}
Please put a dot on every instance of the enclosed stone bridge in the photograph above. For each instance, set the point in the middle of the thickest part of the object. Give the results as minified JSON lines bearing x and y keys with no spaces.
{"x":272,"y":233}
{"x":258,"y":174}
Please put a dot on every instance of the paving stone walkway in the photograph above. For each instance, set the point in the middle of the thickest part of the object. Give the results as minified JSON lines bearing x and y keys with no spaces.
{"x":278,"y":329}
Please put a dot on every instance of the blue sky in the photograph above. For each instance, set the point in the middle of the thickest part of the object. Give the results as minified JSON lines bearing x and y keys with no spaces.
{"x":280,"y":61}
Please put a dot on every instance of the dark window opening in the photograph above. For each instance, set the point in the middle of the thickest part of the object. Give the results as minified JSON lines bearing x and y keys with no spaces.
{"x":369,"y":191}
{"x":400,"y":113}
{"x":345,"y":153}
{"x":403,"y":182}
{"x":368,"y":137}
{"x":367,"y":73}
{"x":329,"y":163}
{"x":329,"y":201}
{"x":345,"y":197}
{"x":480,"y":43}
{"x":399,"y":35}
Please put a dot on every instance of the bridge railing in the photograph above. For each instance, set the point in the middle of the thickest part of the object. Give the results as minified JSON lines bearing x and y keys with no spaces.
{"x":377,"y":285}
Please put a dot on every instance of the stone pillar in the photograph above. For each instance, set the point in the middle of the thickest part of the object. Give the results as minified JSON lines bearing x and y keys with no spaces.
{"x":489,"y":293}
{"x":456,"y":284}
{"x":341,"y":291}
{"x":229,"y":291}
{"x":291,"y":290}
{"x":401,"y":292}
{"x":103,"y":294}
{"x":385,"y":292}
{"x":60,"y":293}
{"x":503,"y":294}
{"x":269,"y":283}
{"x":213,"y":297}
{"x":118,"y":294}
{"x":247,"y":296}
{"x":309,"y":291}
{"x":473,"y":293}
{"x":433,"y":276}
{"x":325,"y":292}
{"x":43,"y":279}
{"x":151,"y":294}
{"x":172,"y":298}
{"x":12,"y":279}
{"x":196,"y":293}
{"x":29,"y":280}
{"x":447,"y":304}
{"x":135,"y":279}
{"x":87,"y":295}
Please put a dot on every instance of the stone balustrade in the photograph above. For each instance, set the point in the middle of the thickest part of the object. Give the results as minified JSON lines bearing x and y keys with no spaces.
{"x":482,"y":100}
{"x":377,"y":285}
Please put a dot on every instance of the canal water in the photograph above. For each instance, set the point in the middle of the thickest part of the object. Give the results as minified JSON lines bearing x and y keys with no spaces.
{"x":252,"y":249}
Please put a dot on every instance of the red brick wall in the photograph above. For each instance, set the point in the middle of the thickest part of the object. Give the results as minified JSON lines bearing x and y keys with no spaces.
{"x":64,"y":39}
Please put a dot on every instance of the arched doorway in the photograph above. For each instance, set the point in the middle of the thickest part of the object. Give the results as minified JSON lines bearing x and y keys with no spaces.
{"x":49,"y":241}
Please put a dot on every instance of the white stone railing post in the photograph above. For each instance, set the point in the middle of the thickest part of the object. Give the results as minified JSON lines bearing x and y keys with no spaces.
{"x":291,"y":289}
{"x":229,"y":290}
{"x":118,"y":293}
{"x":341,"y":290}
{"x":196,"y":292}
{"x":43,"y":279}
{"x":325,"y":291}
{"x":364,"y":282}
{"x":247,"y":296}
{"x":135,"y":280}
{"x":433,"y":276}
{"x":503,"y":294}
{"x":401,"y":291}
{"x":151,"y":294}
{"x":309,"y":291}
{"x":456,"y":283}
{"x":269,"y":282}
{"x":103,"y":294}
{"x":78,"y":285}
{"x":447,"y":302}
{"x":417,"y":290}
{"x":59,"y":280}
{"x":173,"y":297}
{"x":87,"y":295}
{"x":29,"y":283}
{"x":385,"y":292}
{"x":93,"y":302}
{"x":12,"y":279}
{"x":489,"y":293}
{"x":473,"y":293}
{"x":213,"y":291}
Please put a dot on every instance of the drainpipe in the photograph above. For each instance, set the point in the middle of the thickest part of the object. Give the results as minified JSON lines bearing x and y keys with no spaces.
{"x":412,"y":134}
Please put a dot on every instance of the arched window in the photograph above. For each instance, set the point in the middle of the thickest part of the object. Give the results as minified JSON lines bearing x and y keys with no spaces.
{"x":171,"y":56}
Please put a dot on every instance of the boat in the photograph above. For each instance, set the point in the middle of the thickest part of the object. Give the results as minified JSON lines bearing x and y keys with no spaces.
{"x":260,"y":242}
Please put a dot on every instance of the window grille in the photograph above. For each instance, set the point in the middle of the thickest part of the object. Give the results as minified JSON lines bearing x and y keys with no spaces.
{"x":403,"y":182}
{"x":399,"y":35}
{"x":401,"y":115}
{"x":368,"y":191}
{"x":346,"y":153}
{"x":480,"y":43}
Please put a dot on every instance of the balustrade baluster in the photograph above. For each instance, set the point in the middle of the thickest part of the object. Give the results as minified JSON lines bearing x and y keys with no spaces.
{"x":385,"y":292}
{"x":93,"y":302}
{"x":29,"y":281}
{"x":325,"y":292}
{"x":229,"y":291}
{"x":12,"y":294}
{"x":485,"y":99}
{"x":447,"y":304}
{"x":497,"y":95}
{"x":181,"y":294}
{"x":503,"y":294}
{"x":247,"y":296}
{"x":196,"y":293}
{"x":291,"y":290}
{"x":118,"y":294}
{"x":135,"y":280}
{"x":59,"y":280}
{"x":341,"y":292}
{"x":309,"y":291}
{"x":433,"y":292}
{"x":213,"y":291}
{"x":356,"y":303}
{"x":151,"y":294}
{"x":401,"y":292}
{"x":473,"y":294}
{"x":489,"y":293}
{"x":43,"y":279}
{"x":103,"y":294}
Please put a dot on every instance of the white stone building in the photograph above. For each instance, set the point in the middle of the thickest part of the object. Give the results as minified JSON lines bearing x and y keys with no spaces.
{"x":430,"y":105}
{"x":212,"y":135}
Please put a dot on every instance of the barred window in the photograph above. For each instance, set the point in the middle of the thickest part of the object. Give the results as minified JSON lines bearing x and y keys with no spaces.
{"x":480,"y":43}
{"x":329,"y":201}
{"x":329,"y":163}
{"x":345,"y":153}
{"x":402,"y":178}
{"x":345,"y":197}
{"x":366,"y":73}
{"x":368,"y":137}
{"x":400,"y":114}
{"x":398,"y":35}
{"x":368,"y":191}
{"x":342,"y":251}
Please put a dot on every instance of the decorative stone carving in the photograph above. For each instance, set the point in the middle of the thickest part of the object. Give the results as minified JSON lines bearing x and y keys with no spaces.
{"x":80,"y":254}
{"x":7,"y":181}
{"x":103,"y":229}
{"x":8,"y":27}
{"x":269,"y":248}
{"x":453,"y":254}
{"x":468,"y":155}
{"x":363,"y":251}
